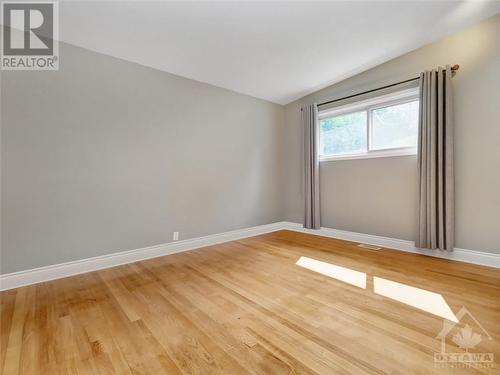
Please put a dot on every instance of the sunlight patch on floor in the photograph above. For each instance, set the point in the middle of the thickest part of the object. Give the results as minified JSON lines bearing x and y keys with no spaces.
{"x":425,"y":300}
{"x":421,"y":299}
{"x":344,"y":274}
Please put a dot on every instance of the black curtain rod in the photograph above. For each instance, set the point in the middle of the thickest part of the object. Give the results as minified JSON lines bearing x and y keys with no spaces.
{"x":454,"y":68}
{"x":369,"y":91}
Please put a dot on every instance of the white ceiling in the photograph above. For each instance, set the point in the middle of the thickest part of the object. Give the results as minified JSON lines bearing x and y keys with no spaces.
{"x":277,"y":51}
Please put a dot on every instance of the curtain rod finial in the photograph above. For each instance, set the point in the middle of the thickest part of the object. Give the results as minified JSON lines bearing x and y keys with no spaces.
{"x":455,"y":67}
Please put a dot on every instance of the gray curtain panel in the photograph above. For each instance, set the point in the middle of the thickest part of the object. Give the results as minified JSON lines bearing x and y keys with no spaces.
{"x":311,"y":167}
{"x":435,"y":222}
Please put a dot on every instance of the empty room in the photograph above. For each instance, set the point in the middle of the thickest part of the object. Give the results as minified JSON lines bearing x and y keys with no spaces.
{"x":250,"y":187}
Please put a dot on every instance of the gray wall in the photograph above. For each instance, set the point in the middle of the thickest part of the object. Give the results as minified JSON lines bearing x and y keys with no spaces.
{"x":105,"y":156}
{"x":378,"y":196}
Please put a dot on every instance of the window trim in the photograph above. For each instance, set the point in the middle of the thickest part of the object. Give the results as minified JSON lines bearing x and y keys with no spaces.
{"x":368,"y":106}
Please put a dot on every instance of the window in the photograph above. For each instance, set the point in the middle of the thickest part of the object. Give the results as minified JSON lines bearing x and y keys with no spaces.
{"x":382,"y":126}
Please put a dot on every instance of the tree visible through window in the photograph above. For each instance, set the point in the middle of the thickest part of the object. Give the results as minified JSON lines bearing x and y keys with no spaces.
{"x":395,"y":126}
{"x":380,"y":125}
{"x":344,"y":134}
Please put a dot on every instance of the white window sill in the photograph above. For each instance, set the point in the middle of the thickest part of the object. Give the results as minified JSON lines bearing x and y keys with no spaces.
{"x":371,"y":154}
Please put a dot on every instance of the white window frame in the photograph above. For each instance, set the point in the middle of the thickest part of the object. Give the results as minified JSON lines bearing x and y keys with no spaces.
{"x":369,"y":105}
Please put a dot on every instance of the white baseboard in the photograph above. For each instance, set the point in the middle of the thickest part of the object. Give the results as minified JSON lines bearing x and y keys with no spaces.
{"x":461,"y":255}
{"x":57,"y":271}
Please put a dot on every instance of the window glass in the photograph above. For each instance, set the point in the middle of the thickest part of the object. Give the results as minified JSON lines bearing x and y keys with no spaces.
{"x":344,"y":134}
{"x":395,"y":126}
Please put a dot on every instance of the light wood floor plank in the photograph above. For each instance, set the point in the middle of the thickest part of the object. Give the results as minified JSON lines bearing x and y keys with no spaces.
{"x":246,"y":307}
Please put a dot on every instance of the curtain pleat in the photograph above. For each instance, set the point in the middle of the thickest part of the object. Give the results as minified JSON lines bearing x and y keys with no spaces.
{"x":311,"y":167}
{"x":435,"y":222}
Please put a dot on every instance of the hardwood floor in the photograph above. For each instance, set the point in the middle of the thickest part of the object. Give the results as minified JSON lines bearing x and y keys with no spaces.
{"x":247,"y":307}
